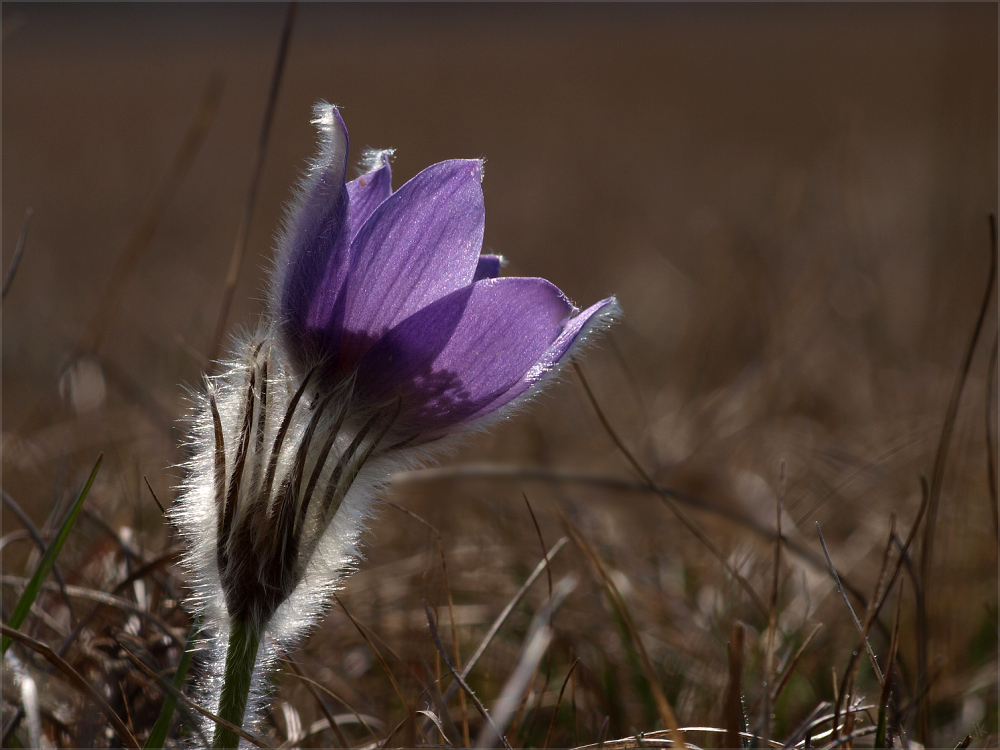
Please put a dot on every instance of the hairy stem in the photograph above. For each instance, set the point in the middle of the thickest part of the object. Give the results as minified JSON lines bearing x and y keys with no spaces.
{"x":241,"y":658}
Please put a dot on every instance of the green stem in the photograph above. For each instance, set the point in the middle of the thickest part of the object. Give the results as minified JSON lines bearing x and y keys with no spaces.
{"x":241,"y":658}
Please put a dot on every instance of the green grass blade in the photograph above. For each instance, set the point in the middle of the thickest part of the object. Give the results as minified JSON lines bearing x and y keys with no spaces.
{"x":159,"y":731}
{"x":48,"y":560}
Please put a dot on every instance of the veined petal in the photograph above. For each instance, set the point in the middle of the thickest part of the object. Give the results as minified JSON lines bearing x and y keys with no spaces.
{"x":418,"y":245}
{"x":312,"y":257}
{"x":488,"y":267}
{"x":458,"y":357}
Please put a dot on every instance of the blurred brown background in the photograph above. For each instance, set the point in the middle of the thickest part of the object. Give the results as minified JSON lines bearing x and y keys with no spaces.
{"x":790,"y":202}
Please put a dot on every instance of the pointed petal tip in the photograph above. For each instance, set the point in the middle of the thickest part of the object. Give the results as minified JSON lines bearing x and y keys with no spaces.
{"x":489,"y":267}
{"x":326,"y":116}
{"x":471,"y":167}
{"x":333,"y":133}
{"x":374,"y":159}
{"x":607,"y":311}
{"x":576,"y":334}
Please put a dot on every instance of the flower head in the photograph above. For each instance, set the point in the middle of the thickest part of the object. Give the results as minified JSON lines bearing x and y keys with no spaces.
{"x":387,"y":331}
{"x":391,"y":286}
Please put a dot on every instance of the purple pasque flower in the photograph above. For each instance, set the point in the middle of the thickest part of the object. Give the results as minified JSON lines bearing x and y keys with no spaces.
{"x":387,"y":329}
{"x":390,"y":288}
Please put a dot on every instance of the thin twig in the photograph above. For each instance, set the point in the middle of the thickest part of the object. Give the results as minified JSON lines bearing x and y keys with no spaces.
{"x":239,"y":247}
{"x":8,"y":279}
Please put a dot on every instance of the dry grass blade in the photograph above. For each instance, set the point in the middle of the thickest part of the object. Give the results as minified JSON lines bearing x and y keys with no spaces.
{"x":847,"y":687}
{"x":940,"y":460}
{"x":514,"y":472}
{"x":297,"y":672}
{"x":8,"y":278}
{"x":991,"y":442}
{"x":321,"y":724}
{"x":168,"y":555}
{"x":541,"y":539}
{"x":107,"y":600}
{"x":239,"y":247}
{"x":320,"y":703}
{"x":555,"y":711}
{"x":905,"y":546}
{"x":857,"y":623}
{"x":881,"y":731}
{"x":382,"y":661}
{"x":548,"y":575}
{"x":451,"y":609}
{"x":655,"y":739}
{"x":156,"y":500}
{"x":818,"y":718}
{"x":667,"y":499}
{"x":167,"y":689}
{"x":606,"y":424}
{"x":502,"y":617}
{"x":772,"y":611}
{"x":77,"y":679}
{"x":536,"y":643}
{"x":99,"y":596}
{"x":36,"y":536}
{"x":442,"y":720}
{"x":733,"y":718}
{"x":458,"y":678}
{"x":663,"y":706}
{"x":783,"y":680}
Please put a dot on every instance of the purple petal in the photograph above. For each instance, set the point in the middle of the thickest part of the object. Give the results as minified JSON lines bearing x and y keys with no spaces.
{"x":573,"y":332}
{"x":459,"y":356}
{"x":313,"y":253}
{"x":488,"y":267}
{"x":418,"y":245}
{"x":368,"y":191}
